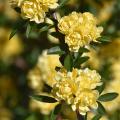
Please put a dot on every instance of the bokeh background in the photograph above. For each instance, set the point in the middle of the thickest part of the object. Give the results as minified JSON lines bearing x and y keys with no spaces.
{"x":25,"y":68}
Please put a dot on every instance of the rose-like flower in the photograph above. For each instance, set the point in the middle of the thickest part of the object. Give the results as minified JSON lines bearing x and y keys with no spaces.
{"x":89,"y":79}
{"x":85,"y":100}
{"x":52,"y":4}
{"x":32,"y":9}
{"x":76,"y":88}
{"x":79,"y":29}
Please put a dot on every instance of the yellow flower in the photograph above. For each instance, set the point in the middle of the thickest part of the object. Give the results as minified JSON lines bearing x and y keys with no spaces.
{"x":52,"y":4}
{"x":32,"y":9}
{"x":35,"y":9}
{"x":79,"y":29}
{"x":44,"y":71}
{"x":89,"y":79}
{"x":35,"y":82}
{"x":76,"y":88}
{"x":85,"y":100}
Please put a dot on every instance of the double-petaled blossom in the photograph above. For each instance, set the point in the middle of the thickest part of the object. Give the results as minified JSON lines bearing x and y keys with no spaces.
{"x":79,"y":29}
{"x":76,"y":88}
{"x":34,"y":10}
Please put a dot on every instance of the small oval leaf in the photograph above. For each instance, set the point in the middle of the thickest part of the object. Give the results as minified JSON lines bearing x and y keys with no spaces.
{"x":43,"y":98}
{"x":108,"y":97}
{"x":56,"y":50}
{"x":68,"y":62}
{"x":101,"y":109}
{"x":97,"y":117}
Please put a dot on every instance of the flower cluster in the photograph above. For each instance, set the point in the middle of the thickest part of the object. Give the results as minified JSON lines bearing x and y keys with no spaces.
{"x":77,"y":88}
{"x":35,"y":9}
{"x":79,"y":29}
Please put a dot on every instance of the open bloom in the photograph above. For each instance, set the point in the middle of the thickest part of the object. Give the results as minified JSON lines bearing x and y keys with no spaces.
{"x":31,"y":9}
{"x":85,"y":100}
{"x":79,"y":29}
{"x":35,"y":9}
{"x":49,"y":3}
{"x":76,"y":88}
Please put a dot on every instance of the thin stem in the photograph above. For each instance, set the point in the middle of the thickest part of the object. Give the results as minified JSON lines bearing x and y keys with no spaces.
{"x":79,"y":117}
{"x":59,"y":117}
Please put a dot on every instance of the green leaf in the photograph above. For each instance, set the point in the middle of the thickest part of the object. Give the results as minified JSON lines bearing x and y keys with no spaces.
{"x":62,"y":3}
{"x":45,"y":28}
{"x":83,"y":49}
{"x":14,"y":31}
{"x":55,"y":112}
{"x":28,"y":30}
{"x":56,"y":50}
{"x":57,"y":109}
{"x":68,"y":62}
{"x":56,"y":34}
{"x":43,"y":98}
{"x":52,"y":115}
{"x":100,"y":88}
{"x":80,"y":60}
{"x":97,"y":117}
{"x":101,"y":109}
{"x":31,"y":117}
{"x":104,"y":39}
{"x":85,"y":117}
{"x":108,"y":97}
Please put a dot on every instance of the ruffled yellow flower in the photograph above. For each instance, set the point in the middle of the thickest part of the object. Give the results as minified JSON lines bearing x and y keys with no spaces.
{"x":85,"y":100}
{"x":31,"y":9}
{"x":79,"y":29}
{"x":35,"y":9}
{"x":52,"y":4}
{"x":89,"y":79}
{"x":76,"y":88}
